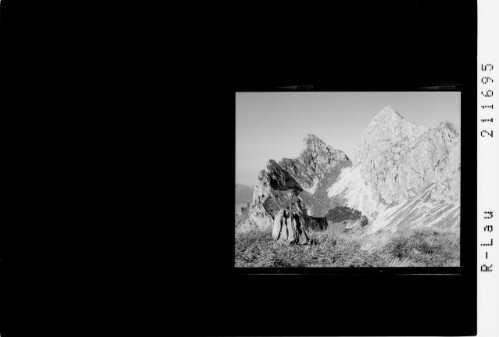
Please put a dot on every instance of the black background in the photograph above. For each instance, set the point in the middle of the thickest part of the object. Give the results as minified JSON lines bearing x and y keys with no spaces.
{"x":117,"y":183}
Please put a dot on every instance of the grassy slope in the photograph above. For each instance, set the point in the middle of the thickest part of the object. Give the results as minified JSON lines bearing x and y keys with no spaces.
{"x":423,"y":248}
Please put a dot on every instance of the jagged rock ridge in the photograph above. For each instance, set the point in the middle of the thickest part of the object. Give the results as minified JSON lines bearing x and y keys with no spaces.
{"x":299,"y":184}
{"x":405,"y":176}
{"x":397,"y":163}
{"x":275,"y":190}
{"x":400,"y":159}
{"x":316,"y":168}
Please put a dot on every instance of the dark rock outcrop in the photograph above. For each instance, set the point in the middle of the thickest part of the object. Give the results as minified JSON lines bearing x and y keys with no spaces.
{"x":316,"y":169}
{"x":289,"y":228}
{"x":279,"y":188}
{"x":315,"y":223}
{"x":275,"y":190}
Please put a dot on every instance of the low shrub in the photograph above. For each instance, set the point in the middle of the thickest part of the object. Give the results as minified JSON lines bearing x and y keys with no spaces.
{"x":425,"y":247}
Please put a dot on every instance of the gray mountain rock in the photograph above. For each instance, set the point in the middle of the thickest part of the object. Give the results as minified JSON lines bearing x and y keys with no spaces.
{"x":405,"y":176}
{"x":317,"y":167}
{"x":398,"y":163}
{"x":316,"y":160}
{"x":275,"y":190}
{"x":299,"y":184}
{"x":400,"y":159}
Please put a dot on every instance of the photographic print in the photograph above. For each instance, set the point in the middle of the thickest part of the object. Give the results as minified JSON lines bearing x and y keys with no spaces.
{"x":348,"y":179}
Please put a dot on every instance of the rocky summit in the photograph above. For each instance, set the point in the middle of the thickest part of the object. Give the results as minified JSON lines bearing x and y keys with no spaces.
{"x":275,"y":189}
{"x":400,"y":159}
{"x":316,"y":168}
{"x":404,"y":176}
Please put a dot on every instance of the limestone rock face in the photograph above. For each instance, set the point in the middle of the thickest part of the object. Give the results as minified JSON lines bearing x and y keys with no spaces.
{"x":279,"y":187}
{"x":316,"y":169}
{"x":400,"y":159}
{"x":352,"y":190}
{"x":422,"y":210}
{"x":274,"y":179}
{"x":289,"y":228}
{"x":315,"y":161}
{"x":405,"y":176}
{"x":275,"y":190}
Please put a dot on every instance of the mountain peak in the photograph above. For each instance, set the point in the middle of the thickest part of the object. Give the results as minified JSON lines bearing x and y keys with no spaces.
{"x":391,"y":122}
{"x":312,"y":142}
{"x":271,"y":164}
{"x":389,"y":111}
{"x":449,"y":126}
{"x":316,"y":146}
{"x":312,"y":138}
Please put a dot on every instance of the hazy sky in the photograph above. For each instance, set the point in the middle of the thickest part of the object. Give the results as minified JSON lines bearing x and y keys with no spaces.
{"x":273,"y":125}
